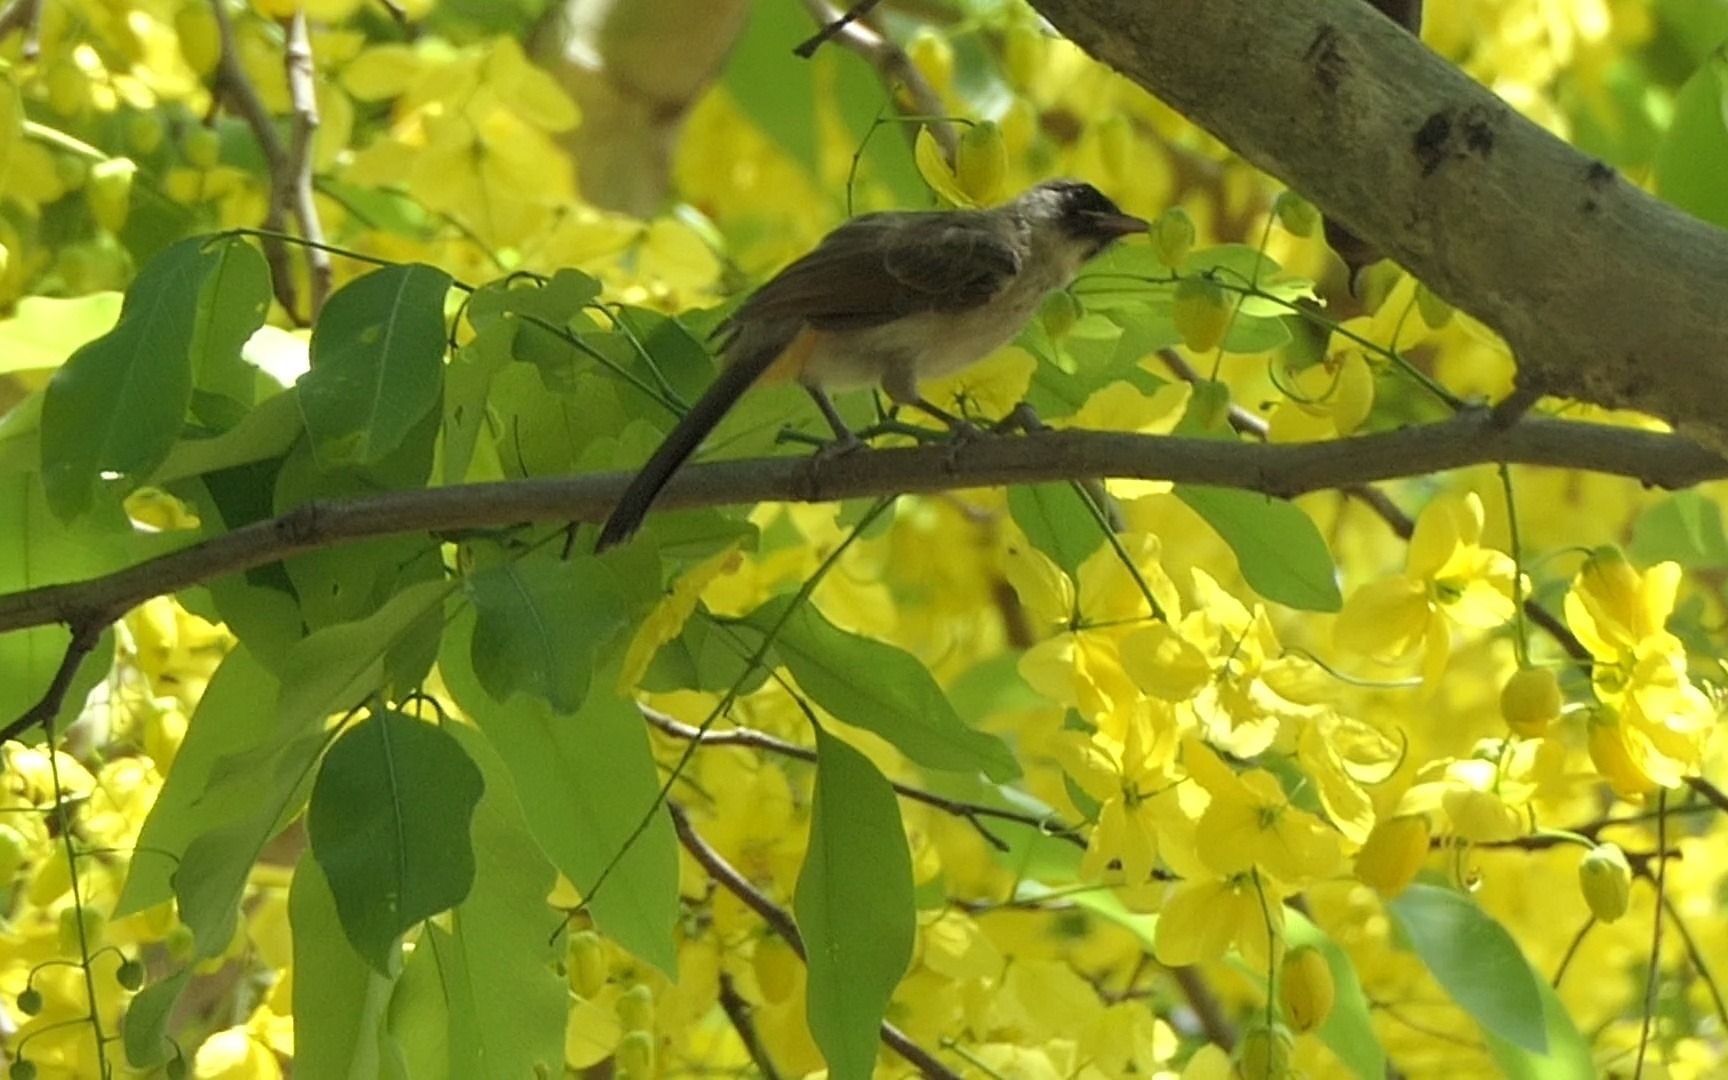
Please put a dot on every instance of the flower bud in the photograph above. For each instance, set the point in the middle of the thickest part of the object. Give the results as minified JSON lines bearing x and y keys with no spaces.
{"x":588,"y":967}
{"x":1201,"y":314}
{"x":1172,"y":236}
{"x":635,"y":1056}
{"x":635,"y":1008}
{"x":933,"y":56}
{"x":1606,"y":878}
{"x":1530,"y":701}
{"x":109,"y":192}
{"x":1060,"y":312}
{"x":1265,"y":1054}
{"x":1305,"y":986}
{"x":1393,"y":853}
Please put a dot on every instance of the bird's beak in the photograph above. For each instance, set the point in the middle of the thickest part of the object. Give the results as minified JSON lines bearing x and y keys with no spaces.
{"x":1117,"y":225}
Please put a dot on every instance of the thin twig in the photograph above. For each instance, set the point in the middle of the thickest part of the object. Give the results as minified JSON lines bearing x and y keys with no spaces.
{"x":294,"y":186}
{"x":1572,"y":951}
{"x":235,"y":86}
{"x":1654,"y":980}
{"x":1699,"y":964}
{"x":86,"y":634}
{"x":1217,"y":1027}
{"x":737,"y":1012}
{"x":781,"y":922}
{"x":889,"y":60}
{"x":761,"y":740}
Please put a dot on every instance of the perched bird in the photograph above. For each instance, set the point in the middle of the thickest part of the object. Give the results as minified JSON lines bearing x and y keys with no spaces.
{"x":888,"y":300}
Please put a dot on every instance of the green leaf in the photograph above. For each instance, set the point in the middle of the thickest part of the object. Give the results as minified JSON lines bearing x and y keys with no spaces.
{"x":1693,"y":156}
{"x":268,"y":431}
{"x":585,"y":781}
{"x":377,"y":364}
{"x":231,"y":717}
{"x":339,"y":1013}
{"x":419,"y":1021}
{"x":44,"y":330}
{"x":36,"y":548}
{"x":389,"y":825}
{"x":1349,"y":1029}
{"x":335,"y":668}
{"x":505,"y":985}
{"x":1281,"y":554}
{"x":859,"y":94}
{"x":116,"y":407}
{"x":1685,"y":527}
{"x":231,"y":306}
{"x":1476,"y":961}
{"x":540,"y":623}
{"x":1055,"y":519}
{"x":144,"y":1028}
{"x":1568,"y":1056}
{"x":854,"y":907}
{"x":881,"y":688}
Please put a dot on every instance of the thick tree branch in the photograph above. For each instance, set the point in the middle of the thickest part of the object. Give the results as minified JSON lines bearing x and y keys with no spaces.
{"x":1604,"y":293}
{"x":1280,"y":470}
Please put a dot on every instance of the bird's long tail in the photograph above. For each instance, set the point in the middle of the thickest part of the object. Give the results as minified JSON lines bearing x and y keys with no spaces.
{"x":679,"y":444}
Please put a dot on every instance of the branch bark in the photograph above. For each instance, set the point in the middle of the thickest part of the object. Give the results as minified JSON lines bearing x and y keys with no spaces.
{"x":1472,"y":438}
{"x":1604,"y":293}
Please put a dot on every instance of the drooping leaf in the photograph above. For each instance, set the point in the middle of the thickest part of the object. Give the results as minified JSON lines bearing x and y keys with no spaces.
{"x":144,"y":1028}
{"x":1475,"y":961}
{"x":419,"y":1023}
{"x":1282,"y":555}
{"x":335,"y":668}
{"x":854,"y":906}
{"x":507,"y":986}
{"x":116,"y":407}
{"x":1056,"y":520}
{"x":389,"y":825}
{"x":235,"y":713}
{"x":377,"y":364}
{"x":1568,"y":1056}
{"x":586,"y":780}
{"x":339,"y":1014}
{"x":540,"y":623}
{"x":881,"y":688}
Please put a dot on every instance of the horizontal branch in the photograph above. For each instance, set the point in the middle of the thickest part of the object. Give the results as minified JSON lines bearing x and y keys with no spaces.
{"x":1473,"y":438}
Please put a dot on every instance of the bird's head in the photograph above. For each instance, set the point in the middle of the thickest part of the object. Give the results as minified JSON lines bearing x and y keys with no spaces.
{"x":1077,"y":215}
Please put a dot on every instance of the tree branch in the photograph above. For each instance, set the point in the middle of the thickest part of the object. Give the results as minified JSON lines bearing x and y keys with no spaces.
{"x":1279,"y":470}
{"x":780,"y":921}
{"x":294,"y":185}
{"x":889,"y":60}
{"x":86,"y":634}
{"x":1604,"y":293}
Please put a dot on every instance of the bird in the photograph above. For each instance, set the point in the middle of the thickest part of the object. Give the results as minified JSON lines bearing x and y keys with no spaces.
{"x":890,"y":299}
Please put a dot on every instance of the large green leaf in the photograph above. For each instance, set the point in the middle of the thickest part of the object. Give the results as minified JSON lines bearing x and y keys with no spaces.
{"x":1568,"y":1056}
{"x":339,"y":1011}
{"x":116,"y":407}
{"x":234,"y":714}
{"x":231,"y":307}
{"x":1686,"y":527}
{"x":776,"y":89}
{"x":1056,"y":520}
{"x":1282,"y":555}
{"x":854,"y":906}
{"x":389,"y":825}
{"x":337,"y":667}
{"x":585,"y":779}
{"x":1475,"y":961}
{"x":377,"y":364}
{"x":506,"y":988}
{"x":420,"y":1019}
{"x":540,"y":623}
{"x":881,"y":688}
{"x":1693,"y":156}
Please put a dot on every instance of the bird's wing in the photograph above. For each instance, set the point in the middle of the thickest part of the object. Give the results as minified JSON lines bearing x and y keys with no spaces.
{"x":878,"y":267}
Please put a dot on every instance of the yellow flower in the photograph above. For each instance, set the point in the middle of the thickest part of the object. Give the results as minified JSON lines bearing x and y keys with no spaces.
{"x":1395,"y":851}
{"x":1251,"y":823}
{"x":1448,"y":578}
{"x":1305,"y":986}
{"x":1204,"y":918}
{"x":1329,"y":399}
{"x":1482,"y":798}
{"x":1131,"y":780}
{"x":1081,"y":665}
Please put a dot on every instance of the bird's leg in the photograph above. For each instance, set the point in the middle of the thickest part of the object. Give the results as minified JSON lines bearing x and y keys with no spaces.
{"x":845,"y":440}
